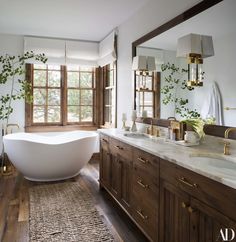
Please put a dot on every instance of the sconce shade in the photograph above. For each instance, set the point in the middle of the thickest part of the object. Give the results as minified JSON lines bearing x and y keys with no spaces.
{"x":207,"y":46}
{"x":195,"y":44}
{"x":143,"y":63}
{"x":139,"y":63}
{"x":151,"y":66}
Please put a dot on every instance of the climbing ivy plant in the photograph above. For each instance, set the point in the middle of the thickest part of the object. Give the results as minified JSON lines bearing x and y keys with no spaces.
{"x":12,"y":74}
{"x":170,"y":88}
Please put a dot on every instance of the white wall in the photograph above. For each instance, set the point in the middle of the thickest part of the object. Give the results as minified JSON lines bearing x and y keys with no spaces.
{"x":12,"y":45}
{"x":152,"y":15}
{"x":220,"y":68}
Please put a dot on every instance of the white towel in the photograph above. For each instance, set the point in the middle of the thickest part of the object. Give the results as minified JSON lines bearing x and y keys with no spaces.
{"x":212,"y":107}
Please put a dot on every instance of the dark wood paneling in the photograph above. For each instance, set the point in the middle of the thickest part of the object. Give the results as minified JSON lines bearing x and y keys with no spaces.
{"x":174,"y":216}
{"x":155,"y":121}
{"x":219,"y":131}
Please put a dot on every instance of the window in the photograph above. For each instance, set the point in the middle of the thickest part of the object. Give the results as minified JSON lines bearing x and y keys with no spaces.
{"x":61,"y":95}
{"x":148,"y":94}
{"x":46,"y":94}
{"x":109,"y":92}
{"x":80,"y":94}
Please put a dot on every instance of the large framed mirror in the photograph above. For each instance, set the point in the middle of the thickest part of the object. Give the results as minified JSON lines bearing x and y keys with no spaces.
{"x":214,"y":18}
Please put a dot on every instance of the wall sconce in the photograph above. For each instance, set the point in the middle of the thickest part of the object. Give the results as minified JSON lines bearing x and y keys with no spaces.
{"x":195,"y":47}
{"x":143,"y":65}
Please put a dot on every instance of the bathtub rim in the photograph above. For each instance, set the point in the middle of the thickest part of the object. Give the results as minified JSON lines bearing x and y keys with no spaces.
{"x":49,"y":140}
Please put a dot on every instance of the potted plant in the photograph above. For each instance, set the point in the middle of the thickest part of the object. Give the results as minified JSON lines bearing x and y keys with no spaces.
{"x":16,"y":87}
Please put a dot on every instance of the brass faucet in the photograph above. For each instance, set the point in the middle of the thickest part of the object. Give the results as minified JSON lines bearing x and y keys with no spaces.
{"x":226,"y":143}
{"x":153,"y":131}
{"x":11,"y":125}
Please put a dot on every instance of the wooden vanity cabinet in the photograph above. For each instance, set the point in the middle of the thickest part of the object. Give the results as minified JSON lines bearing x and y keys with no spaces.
{"x":184,"y":214}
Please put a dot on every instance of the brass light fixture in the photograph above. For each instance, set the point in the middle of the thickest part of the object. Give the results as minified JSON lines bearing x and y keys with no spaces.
{"x":143,"y":65}
{"x":195,"y":47}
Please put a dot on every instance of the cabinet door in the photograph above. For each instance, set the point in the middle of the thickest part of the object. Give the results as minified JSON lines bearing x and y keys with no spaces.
{"x":125,"y":176}
{"x":105,"y":168}
{"x":208,"y":225}
{"x":115,"y":176}
{"x":174,"y":215}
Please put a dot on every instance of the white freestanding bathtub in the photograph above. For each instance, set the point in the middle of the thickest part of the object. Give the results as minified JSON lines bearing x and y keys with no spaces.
{"x":50,"y":156}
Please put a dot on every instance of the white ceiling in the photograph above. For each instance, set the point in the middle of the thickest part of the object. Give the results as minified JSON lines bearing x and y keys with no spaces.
{"x":74,"y":19}
{"x":217,"y":21}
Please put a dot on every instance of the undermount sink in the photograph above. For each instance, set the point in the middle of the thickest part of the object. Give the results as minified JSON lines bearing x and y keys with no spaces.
{"x":217,"y":165}
{"x":136,"y":135}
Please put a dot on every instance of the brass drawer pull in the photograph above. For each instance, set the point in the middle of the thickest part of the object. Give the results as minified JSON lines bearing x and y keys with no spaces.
{"x":191,"y":210}
{"x":184,"y":205}
{"x":140,"y":213}
{"x":184,"y":181}
{"x":105,"y":140}
{"x":142,"y":184}
{"x":118,"y":147}
{"x":144,"y":161}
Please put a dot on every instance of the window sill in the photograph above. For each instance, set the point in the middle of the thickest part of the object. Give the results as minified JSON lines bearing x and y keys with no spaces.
{"x":59,"y":128}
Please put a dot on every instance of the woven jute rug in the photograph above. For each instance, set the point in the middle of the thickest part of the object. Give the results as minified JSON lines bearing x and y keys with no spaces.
{"x":65,"y":212}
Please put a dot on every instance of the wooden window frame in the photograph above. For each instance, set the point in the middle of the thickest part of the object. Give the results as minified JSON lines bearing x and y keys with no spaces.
{"x":63,"y":125}
{"x":105,"y":75}
{"x":155,"y":90}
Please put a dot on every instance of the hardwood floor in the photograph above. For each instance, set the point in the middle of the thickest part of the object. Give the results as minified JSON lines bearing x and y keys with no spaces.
{"x":14,"y":207}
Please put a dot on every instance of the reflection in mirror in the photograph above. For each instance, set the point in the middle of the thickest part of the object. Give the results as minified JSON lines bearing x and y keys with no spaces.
{"x":216,"y":98}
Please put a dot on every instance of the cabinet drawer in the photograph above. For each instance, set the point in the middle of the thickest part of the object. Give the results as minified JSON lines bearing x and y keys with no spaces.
{"x":148,"y":163}
{"x":147,"y":217}
{"x":213,"y":193}
{"x":104,"y":142}
{"x":146,"y":186}
{"x":126,"y":151}
{"x":119,"y":148}
{"x":114,"y":146}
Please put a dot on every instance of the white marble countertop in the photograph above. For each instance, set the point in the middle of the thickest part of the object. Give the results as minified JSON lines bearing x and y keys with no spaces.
{"x":206,"y":159}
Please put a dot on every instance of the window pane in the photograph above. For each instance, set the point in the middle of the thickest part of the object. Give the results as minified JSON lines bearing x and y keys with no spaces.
{"x":54,"y":78}
{"x":86,"y":97}
{"x":73,"y":97}
{"x":72,"y":68}
{"x":39,"y":78}
{"x":149,"y":111}
{"x":73,"y":79}
{"x":73,"y":113}
{"x":86,"y":114}
{"x":111,"y":79}
{"x":40,"y":66}
{"x":39,"y":96}
{"x":54,"y":67}
{"x":38,"y":114}
{"x":54,"y":96}
{"x":148,"y":98}
{"x":86,"y":79}
{"x":149,"y":82}
{"x":54,"y":114}
{"x":86,"y":68}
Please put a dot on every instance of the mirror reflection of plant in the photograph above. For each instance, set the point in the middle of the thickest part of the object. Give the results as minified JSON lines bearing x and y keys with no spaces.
{"x":169,"y":90}
{"x":12,"y":68}
{"x":197,"y":124}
